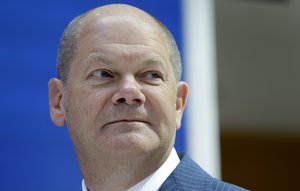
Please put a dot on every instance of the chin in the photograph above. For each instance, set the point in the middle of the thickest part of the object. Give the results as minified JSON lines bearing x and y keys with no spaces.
{"x":132,"y":144}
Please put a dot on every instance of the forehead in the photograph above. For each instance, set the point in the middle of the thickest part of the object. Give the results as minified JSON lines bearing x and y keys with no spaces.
{"x":101,"y":30}
{"x":121,"y":35}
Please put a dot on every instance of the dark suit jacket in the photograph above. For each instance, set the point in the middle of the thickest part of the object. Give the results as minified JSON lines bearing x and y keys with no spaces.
{"x":190,"y":176}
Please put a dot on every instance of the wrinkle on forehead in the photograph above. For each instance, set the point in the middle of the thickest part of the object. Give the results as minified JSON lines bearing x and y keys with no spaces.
{"x":152,"y":59}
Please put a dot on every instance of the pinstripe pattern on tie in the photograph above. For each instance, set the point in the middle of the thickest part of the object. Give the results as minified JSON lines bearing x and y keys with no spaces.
{"x":189,"y":176}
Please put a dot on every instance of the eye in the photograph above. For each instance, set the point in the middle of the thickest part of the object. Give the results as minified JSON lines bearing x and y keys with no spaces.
{"x":153,"y":75}
{"x":100,"y":74}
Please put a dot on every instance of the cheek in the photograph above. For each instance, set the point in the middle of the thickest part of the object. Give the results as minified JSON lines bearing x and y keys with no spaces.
{"x":166,"y":99}
{"x":85,"y":106}
{"x":84,"y":113}
{"x":162,"y":107}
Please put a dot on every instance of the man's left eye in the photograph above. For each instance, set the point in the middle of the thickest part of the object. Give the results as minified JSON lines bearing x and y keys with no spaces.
{"x":153,"y":75}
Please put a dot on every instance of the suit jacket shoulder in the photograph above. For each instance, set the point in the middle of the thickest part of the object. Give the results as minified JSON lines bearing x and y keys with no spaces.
{"x":189,"y":176}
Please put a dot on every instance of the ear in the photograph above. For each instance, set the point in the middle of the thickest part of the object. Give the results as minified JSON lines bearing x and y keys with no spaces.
{"x":56,"y":101}
{"x":182,"y":93}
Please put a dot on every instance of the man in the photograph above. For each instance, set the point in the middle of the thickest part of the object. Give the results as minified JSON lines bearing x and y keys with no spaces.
{"x":119,"y":91}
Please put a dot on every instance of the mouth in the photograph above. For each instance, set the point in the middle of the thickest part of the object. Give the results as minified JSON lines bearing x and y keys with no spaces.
{"x":126,"y":121}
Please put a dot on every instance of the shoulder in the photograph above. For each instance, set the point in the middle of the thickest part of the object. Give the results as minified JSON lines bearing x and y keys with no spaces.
{"x":218,"y":185}
{"x":188,"y":175}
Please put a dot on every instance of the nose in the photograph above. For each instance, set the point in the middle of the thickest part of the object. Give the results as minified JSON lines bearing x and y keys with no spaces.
{"x":129,"y":92}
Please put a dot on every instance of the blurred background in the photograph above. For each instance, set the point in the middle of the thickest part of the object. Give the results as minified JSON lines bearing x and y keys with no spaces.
{"x":258,"y":53}
{"x":257,"y":63}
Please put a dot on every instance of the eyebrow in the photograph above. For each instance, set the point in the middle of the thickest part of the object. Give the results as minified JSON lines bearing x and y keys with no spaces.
{"x":151,"y":60}
{"x":154,"y":61}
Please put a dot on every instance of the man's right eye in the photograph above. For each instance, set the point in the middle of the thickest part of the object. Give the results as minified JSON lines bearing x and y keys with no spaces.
{"x":100,"y":74}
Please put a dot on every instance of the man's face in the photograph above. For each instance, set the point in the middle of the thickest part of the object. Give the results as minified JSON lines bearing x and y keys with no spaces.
{"x":121,"y":96}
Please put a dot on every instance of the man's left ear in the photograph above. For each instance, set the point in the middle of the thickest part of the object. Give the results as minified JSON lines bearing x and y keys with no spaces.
{"x":182,"y":93}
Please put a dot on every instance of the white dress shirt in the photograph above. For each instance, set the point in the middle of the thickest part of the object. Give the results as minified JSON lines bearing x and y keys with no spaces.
{"x":155,"y":180}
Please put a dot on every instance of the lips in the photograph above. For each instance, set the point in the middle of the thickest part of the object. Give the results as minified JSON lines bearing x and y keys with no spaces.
{"x":126,"y":121}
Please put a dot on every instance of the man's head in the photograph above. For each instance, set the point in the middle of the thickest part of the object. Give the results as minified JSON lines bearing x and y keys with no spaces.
{"x":119,"y":89}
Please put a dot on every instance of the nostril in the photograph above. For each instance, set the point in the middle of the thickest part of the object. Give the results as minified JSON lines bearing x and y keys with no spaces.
{"x":128,"y":101}
{"x":121,"y":100}
{"x":128,"y":95}
{"x":137,"y":100}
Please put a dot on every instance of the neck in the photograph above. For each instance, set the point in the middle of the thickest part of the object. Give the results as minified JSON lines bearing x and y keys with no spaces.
{"x":103,"y":174}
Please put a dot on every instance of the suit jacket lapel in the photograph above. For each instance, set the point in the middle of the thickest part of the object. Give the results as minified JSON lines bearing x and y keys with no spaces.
{"x":187,"y":176}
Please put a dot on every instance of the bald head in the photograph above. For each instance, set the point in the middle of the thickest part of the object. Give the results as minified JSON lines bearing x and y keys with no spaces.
{"x":70,"y":40}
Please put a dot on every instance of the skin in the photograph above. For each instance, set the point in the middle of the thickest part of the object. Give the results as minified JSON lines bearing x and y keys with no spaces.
{"x":121,"y":103}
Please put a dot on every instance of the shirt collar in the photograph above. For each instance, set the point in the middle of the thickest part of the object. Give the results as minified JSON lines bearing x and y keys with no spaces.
{"x":155,"y":180}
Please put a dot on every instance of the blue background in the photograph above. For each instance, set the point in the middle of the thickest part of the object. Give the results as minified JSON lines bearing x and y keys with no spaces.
{"x":35,"y":154}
